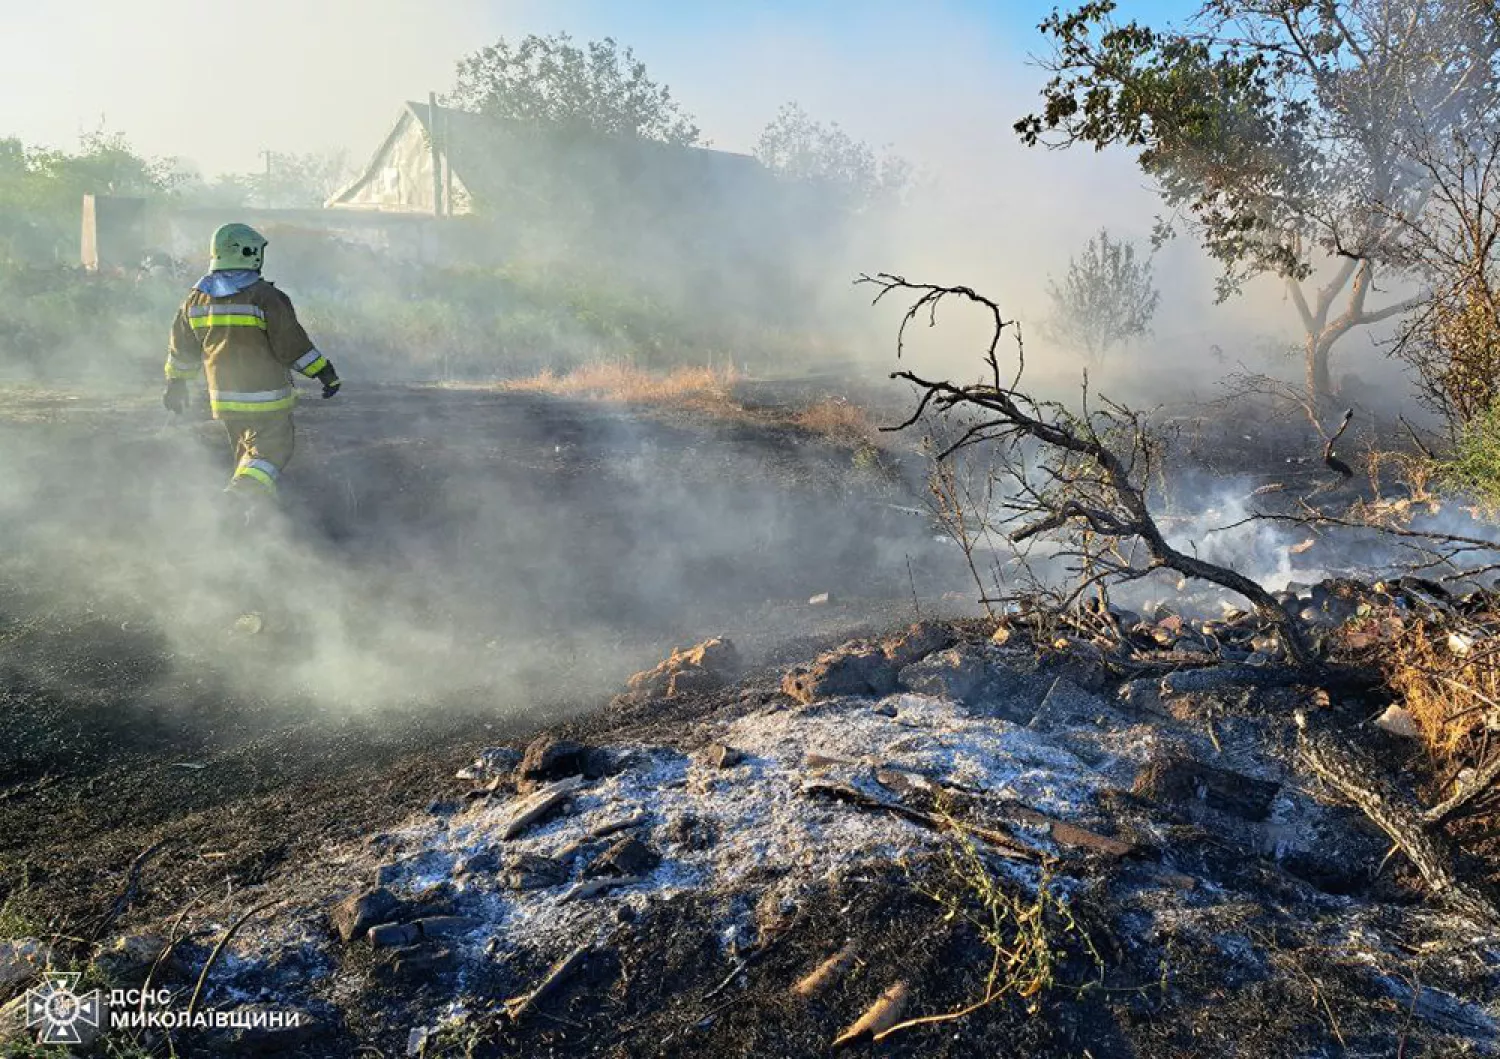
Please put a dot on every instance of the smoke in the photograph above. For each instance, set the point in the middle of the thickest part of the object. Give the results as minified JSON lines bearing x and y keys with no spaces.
{"x":492,"y":550}
{"x":442,"y":543}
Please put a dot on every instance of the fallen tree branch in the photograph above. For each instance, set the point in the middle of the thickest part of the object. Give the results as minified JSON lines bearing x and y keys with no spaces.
{"x":1482,"y":782}
{"x":1093,"y":490}
{"x":1351,"y":772}
{"x":539,"y":805}
{"x":127,"y":892}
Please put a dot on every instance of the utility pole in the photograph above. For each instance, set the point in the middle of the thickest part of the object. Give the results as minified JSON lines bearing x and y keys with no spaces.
{"x":435,"y":154}
{"x":265,"y":193}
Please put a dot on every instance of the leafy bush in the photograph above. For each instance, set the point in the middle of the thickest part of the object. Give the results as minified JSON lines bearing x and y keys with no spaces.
{"x":1474,"y":466}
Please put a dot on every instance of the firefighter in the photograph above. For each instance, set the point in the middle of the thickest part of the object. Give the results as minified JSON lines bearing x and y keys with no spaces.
{"x":244,"y":332}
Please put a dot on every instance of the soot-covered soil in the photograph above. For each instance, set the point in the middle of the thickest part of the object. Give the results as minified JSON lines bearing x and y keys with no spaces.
{"x":525,"y":552}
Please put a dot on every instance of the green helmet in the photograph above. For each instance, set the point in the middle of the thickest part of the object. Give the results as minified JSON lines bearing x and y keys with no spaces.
{"x":237,"y":246}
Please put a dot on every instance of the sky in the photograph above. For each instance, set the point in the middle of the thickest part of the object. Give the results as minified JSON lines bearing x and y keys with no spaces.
{"x":937,"y":81}
{"x":304,"y":75}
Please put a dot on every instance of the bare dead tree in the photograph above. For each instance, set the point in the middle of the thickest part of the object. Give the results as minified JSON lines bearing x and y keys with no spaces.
{"x":1084,"y":489}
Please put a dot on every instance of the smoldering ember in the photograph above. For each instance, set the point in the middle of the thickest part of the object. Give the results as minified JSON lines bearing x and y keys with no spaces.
{"x":597,"y":530}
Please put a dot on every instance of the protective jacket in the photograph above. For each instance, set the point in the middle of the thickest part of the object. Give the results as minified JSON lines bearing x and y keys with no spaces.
{"x":244,"y":334}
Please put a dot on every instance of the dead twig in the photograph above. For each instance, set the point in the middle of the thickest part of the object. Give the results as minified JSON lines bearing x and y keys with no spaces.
{"x":1331,"y":461}
{"x":1001,"y":843}
{"x":1483,"y":781}
{"x":127,"y":892}
{"x":560,"y":972}
{"x":213,"y":957}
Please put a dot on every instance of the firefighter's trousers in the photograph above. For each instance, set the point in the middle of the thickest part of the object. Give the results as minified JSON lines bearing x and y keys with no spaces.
{"x":263,"y":445}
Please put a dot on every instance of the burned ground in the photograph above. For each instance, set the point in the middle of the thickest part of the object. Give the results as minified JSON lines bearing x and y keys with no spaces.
{"x":126,"y":724}
{"x":1207,"y":895}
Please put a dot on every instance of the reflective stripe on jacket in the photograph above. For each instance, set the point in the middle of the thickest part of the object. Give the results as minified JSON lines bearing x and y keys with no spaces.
{"x":247,"y":342}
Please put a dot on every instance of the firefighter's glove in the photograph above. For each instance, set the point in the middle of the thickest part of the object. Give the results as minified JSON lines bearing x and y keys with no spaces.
{"x":330,"y":380}
{"x":175,"y":396}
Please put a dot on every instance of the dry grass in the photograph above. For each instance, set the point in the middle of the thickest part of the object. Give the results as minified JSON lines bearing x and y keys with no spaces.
{"x":836,"y":418}
{"x":1450,"y":686}
{"x":617,"y":381}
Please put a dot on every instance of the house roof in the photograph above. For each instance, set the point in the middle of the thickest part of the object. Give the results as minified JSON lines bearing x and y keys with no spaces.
{"x":500,"y":159}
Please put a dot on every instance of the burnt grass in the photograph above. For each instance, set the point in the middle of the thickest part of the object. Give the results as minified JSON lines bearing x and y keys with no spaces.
{"x":136,"y":770}
{"x":106,"y":822}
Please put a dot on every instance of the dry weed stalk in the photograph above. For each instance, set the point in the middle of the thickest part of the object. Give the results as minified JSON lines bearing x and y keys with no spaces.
{"x":1451,"y":686}
{"x":1029,"y":936}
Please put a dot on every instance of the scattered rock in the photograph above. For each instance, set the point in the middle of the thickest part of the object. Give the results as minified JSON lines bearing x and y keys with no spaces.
{"x":21,"y":960}
{"x":722,"y":757}
{"x":956,"y":674}
{"x":394,"y":935}
{"x":1066,"y":705}
{"x":485,"y":862}
{"x":884,"y":709}
{"x":706,"y":666}
{"x":1398,"y":721}
{"x":355,"y":915}
{"x":917,"y":642}
{"x":1080,"y":661}
{"x":418,"y":962}
{"x":550,"y":758}
{"x":128,"y":959}
{"x":416,"y":1041}
{"x":531,"y":871}
{"x":446,"y":926}
{"x":690,"y":832}
{"x":859,"y":668}
{"x":495,"y":762}
{"x":1016,"y":693}
{"x":628,"y":856}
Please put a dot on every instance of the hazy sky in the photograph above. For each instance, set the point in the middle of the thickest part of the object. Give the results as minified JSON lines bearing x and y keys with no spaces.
{"x":217,"y":83}
{"x":940,"y":81}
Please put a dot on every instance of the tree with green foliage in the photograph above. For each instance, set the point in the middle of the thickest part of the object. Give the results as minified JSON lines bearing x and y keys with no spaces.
{"x":1452,"y":340}
{"x":797,"y":147}
{"x":551,"y":81}
{"x":41,"y":190}
{"x":1278,"y":131}
{"x":1107,"y":297}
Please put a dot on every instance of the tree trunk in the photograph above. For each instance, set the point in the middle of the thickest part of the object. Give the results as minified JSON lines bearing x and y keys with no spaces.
{"x":1316,"y":361}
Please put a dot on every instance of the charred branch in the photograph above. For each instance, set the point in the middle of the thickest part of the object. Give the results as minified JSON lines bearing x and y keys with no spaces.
{"x":1091,"y":492}
{"x":1351,"y":772}
{"x":1331,"y":461}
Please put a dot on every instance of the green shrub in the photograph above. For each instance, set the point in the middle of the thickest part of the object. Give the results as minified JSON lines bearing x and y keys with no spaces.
{"x":1474,"y":467}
